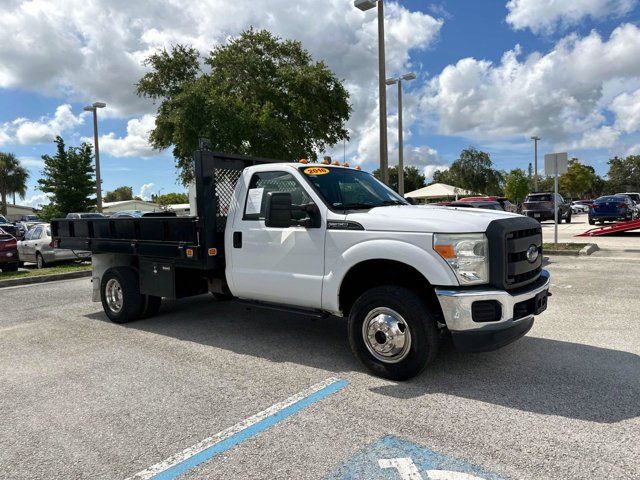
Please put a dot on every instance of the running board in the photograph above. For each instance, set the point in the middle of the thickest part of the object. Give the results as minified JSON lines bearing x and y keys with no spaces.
{"x":308,"y":312}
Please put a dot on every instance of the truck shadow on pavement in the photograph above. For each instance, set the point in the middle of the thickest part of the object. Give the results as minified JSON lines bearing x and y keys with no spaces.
{"x":537,"y":375}
{"x":534,"y":374}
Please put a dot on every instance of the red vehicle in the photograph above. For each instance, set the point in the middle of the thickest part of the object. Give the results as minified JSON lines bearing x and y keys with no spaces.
{"x":8,"y":252}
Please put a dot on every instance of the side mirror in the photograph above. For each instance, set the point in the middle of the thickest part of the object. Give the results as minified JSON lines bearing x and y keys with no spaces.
{"x":278,"y":213}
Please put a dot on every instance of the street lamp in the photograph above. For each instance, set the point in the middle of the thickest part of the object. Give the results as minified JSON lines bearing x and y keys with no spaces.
{"x":94,"y":108}
{"x":365,"y":5}
{"x":390,"y":81}
{"x":535,"y":139}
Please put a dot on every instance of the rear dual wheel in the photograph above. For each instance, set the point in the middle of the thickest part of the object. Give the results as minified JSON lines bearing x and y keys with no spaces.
{"x":121,"y":297}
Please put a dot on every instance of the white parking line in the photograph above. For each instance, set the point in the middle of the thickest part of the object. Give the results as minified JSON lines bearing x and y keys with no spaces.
{"x":202,"y":451}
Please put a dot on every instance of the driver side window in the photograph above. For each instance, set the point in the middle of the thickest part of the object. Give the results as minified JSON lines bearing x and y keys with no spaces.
{"x":264,"y":182}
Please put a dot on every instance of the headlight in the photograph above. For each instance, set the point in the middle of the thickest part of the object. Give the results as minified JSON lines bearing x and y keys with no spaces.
{"x":466,"y":253}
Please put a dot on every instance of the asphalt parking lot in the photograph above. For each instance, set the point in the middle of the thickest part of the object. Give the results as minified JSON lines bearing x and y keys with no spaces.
{"x":85,"y":398}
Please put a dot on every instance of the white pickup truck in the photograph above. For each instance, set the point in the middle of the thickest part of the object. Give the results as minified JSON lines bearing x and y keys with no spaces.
{"x":327,"y":240}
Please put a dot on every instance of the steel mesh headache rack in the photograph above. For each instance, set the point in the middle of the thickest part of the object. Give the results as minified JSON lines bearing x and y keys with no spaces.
{"x":194,"y":241}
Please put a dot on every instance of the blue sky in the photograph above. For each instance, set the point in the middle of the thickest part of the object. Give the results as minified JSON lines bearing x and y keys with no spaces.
{"x":490,"y":74}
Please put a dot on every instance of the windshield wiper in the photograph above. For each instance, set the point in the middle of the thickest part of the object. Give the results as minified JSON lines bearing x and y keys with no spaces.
{"x":393,"y":202}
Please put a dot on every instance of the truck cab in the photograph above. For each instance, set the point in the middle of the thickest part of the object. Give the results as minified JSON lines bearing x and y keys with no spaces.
{"x":333,"y":240}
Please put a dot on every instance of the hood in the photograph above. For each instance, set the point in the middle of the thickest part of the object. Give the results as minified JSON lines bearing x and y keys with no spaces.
{"x":426,"y":218}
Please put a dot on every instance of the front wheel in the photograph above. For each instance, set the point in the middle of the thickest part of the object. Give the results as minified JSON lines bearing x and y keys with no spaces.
{"x":392,"y":332}
{"x":568,"y":220}
{"x":592,"y":222}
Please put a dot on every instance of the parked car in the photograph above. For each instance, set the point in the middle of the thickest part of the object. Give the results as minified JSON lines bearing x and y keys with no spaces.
{"x":580,"y":206}
{"x":29,"y":218}
{"x":128,"y":214}
{"x":37,"y":247}
{"x":9,"y":228}
{"x":487,"y":205}
{"x":541,"y":207}
{"x":86,"y":215}
{"x":610,"y":208}
{"x":507,"y":206}
{"x":9,"y":260}
{"x":636,"y":200}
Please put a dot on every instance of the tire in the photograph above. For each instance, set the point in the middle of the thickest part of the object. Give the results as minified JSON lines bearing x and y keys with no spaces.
{"x":40,"y":263}
{"x":568,"y":219}
{"x":392,"y":303}
{"x":151,"y":306}
{"x":10,"y":267}
{"x":592,"y":222}
{"x":124,"y":292}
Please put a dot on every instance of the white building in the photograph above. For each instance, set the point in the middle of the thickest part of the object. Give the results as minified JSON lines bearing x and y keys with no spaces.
{"x":14,"y":212}
{"x":113,"y":207}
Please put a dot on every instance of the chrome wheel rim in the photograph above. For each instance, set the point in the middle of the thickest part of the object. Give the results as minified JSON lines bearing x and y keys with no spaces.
{"x":113,"y":295}
{"x":386,"y":335}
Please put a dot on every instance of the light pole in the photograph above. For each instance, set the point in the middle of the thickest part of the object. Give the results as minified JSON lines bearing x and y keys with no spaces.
{"x":365,"y":5}
{"x":94,"y":108}
{"x":390,"y":81}
{"x":535,"y":139}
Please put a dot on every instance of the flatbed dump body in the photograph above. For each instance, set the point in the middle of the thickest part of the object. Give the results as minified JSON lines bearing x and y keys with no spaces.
{"x":193,"y":242}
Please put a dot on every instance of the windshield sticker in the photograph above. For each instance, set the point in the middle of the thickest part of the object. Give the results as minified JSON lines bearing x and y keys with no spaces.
{"x":316,"y":171}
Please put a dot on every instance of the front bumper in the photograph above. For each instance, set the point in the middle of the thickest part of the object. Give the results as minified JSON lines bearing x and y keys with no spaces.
{"x":470,"y":335}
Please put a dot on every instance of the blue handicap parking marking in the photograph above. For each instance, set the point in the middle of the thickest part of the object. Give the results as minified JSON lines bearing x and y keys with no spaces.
{"x":393,"y":458}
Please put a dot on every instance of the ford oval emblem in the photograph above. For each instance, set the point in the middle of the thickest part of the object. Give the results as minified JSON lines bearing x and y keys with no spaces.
{"x":532,"y":253}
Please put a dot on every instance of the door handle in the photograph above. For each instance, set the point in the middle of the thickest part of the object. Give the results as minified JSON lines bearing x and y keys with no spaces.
{"x":237,"y":239}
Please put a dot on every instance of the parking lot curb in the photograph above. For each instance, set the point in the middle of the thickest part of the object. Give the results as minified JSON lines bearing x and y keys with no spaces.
{"x":44,"y":278}
{"x":589,"y":249}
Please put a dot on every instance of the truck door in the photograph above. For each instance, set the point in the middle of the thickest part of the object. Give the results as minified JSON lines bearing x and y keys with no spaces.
{"x":280,"y":265}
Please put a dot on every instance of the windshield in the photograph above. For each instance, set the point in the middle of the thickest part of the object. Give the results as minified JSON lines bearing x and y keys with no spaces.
{"x":346,"y":189}
{"x":611,"y":198}
{"x":2,"y":219}
{"x":545,"y":197}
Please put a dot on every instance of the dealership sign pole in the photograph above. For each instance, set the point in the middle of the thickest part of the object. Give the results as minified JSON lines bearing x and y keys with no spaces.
{"x":558,"y":164}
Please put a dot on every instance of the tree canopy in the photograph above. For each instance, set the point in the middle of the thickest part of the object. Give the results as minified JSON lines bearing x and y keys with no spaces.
{"x":172,"y":198}
{"x":516,"y":185}
{"x":68,"y":180}
{"x":261,"y":95}
{"x":579,"y":179}
{"x":624,"y":174}
{"x":119,"y":194}
{"x":413,"y":179}
{"x":13,"y":179}
{"x":472,"y":171}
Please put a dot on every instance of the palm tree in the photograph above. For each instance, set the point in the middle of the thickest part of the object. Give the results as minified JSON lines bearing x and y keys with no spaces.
{"x":13,"y":178}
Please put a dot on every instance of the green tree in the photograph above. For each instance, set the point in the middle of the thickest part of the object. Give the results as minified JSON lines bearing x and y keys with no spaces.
{"x":413,"y":179}
{"x":68,"y":180}
{"x":624,"y":174}
{"x":472,"y":171}
{"x":119,"y":194}
{"x":578,"y":180}
{"x":170,"y":198}
{"x":13,"y":179}
{"x":516,"y":185}
{"x":260,"y":95}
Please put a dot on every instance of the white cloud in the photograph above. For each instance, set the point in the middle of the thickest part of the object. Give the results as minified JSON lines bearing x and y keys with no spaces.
{"x":36,"y":200}
{"x":429,"y":170}
{"x":29,"y":132}
{"x":145,"y":191}
{"x":134,"y":144}
{"x":548,"y":15}
{"x":626,"y":108}
{"x":89,"y":50}
{"x":558,"y":95}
